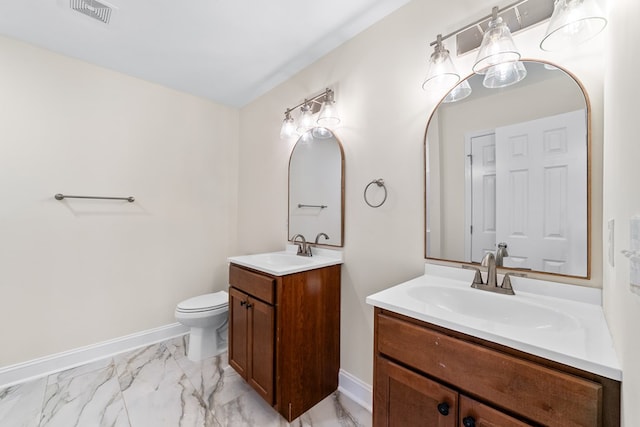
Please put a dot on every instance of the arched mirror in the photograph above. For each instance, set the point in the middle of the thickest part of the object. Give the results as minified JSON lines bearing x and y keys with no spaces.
{"x":316,"y":187}
{"x":509,"y":168}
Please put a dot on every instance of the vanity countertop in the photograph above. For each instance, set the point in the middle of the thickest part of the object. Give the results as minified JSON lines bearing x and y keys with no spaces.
{"x":559,"y":322}
{"x":287,"y":262}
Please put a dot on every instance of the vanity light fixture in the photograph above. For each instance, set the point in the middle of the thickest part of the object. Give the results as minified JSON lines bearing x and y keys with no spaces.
{"x":497,"y":48}
{"x":573,"y":22}
{"x":441,"y":73}
{"x":498,"y":58}
{"x":328,"y":114}
{"x":497,"y":45}
{"x":327,"y":119}
{"x":570,"y":22}
{"x":305,"y":122}
{"x":288,"y":126}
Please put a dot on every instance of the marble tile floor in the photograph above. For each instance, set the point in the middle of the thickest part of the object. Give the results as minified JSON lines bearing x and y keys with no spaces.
{"x":158,"y":386}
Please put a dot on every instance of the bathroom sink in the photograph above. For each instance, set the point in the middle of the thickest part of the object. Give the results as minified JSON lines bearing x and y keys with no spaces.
{"x":287,"y":262}
{"x":555,"y":321}
{"x":514,"y":311}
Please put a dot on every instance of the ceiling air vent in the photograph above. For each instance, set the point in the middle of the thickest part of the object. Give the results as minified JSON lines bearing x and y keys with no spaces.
{"x":93,"y":9}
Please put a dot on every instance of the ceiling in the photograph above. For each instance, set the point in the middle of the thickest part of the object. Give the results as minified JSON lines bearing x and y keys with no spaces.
{"x":228,"y":51}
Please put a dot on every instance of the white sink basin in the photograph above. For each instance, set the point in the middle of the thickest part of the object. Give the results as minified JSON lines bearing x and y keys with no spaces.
{"x":555,"y":321}
{"x":508,"y":310}
{"x":287,"y":262}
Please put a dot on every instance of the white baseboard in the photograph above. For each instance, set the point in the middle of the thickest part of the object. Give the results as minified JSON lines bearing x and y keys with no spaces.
{"x":36,"y":368}
{"x":349,"y":385}
{"x":355,"y":389}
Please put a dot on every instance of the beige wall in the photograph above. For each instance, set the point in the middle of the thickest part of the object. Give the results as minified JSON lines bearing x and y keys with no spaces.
{"x":621,"y":196}
{"x":74,"y":273}
{"x":377,"y":78}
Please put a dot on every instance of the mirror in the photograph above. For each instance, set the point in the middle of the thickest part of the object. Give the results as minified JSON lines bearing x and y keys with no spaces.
{"x":316,"y":187}
{"x":511,"y":166}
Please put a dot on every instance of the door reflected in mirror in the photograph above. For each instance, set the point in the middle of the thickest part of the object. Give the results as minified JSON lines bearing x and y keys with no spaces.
{"x":510,"y":167}
{"x":316,"y":188}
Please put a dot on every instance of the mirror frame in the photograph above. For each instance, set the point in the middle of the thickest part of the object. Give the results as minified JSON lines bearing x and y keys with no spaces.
{"x":342,"y":190}
{"x":589,"y":179}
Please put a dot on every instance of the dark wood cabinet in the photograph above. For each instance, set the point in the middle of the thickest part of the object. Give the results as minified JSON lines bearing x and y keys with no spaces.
{"x":252,"y":352}
{"x":418,"y":366}
{"x":411,"y":399}
{"x":284,"y":335}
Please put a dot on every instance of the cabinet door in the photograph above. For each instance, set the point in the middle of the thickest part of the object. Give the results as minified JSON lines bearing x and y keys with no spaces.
{"x":238,"y":331}
{"x":261,"y":348}
{"x":404,"y":398}
{"x":475,"y":414}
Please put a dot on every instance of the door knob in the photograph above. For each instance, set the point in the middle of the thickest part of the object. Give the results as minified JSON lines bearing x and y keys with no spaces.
{"x":443,"y":408}
{"x":469,"y":422}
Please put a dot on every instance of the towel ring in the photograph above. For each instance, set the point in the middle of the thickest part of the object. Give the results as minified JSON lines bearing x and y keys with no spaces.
{"x":380,"y":183}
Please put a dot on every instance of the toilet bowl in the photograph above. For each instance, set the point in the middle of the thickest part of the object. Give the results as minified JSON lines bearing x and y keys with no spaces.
{"x":207,"y":315}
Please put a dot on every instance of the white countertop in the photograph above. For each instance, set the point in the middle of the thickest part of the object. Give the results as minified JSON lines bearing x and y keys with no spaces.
{"x":287,"y":262}
{"x":568,"y":326}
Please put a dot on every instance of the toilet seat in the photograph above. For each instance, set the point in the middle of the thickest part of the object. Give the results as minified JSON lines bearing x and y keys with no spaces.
{"x":203,"y":303}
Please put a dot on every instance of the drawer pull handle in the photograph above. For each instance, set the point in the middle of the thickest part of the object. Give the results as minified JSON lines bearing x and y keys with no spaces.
{"x":249,"y":305}
{"x":443,"y":408}
{"x":242,"y":303}
{"x":469,"y":422}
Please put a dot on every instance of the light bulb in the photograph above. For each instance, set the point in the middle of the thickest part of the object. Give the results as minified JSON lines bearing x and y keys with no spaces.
{"x":305,"y":122}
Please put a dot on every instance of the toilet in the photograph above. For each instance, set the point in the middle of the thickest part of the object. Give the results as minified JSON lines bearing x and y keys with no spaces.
{"x":207,"y":315}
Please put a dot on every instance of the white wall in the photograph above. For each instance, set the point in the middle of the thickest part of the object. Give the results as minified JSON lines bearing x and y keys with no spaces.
{"x":77,"y":272}
{"x":377,"y":78}
{"x":621,"y":197}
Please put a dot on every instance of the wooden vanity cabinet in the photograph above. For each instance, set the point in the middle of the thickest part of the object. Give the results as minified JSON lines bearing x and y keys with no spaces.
{"x":428,"y":375}
{"x":284,"y":335}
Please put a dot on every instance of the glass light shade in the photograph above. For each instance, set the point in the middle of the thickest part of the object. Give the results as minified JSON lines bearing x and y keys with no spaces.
{"x":288,"y":128}
{"x":573,"y":22}
{"x":459,"y":92}
{"x":441,"y":73}
{"x":305,"y":121}
{"x":328,"y":114}
{"x":505,"y":74}
{"x":497,"y":47}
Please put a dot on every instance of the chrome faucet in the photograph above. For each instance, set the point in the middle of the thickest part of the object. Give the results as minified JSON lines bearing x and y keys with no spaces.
{"x":489,"y":261}
{"x":303,"y":247}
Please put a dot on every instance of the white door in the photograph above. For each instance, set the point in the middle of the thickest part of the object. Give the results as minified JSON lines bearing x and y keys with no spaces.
{"x":482,"y":195}
{"x":541,"y":182}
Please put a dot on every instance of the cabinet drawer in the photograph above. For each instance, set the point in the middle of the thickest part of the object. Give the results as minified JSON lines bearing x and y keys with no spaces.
{"x":255,"y":284}
{"x":548,"y":396}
